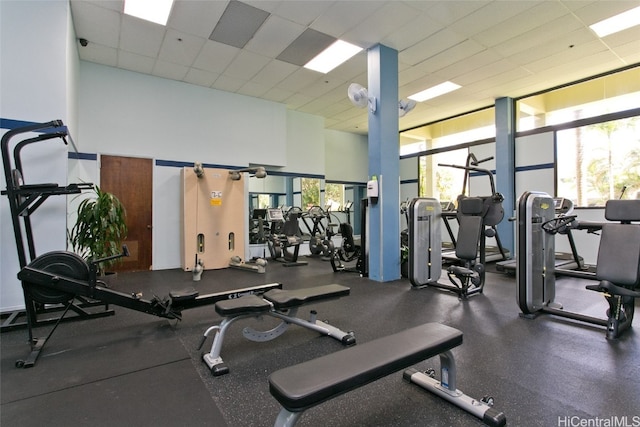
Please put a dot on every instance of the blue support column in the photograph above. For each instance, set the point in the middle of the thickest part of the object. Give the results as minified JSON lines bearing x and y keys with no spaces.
{"x":505,"y":167}
{"x":358,"y":195}
{"x":384,"y":165}
{"x":288,"y":183}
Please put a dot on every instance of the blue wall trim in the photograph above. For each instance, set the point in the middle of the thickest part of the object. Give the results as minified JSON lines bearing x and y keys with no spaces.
{"x":535,"y":167}
{"x":354,"y":183}
{"x":82,"y":156}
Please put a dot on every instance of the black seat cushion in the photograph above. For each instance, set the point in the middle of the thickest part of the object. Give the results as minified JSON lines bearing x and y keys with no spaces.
{"x":284,"y":299}
{"x":244,"y":305}
{"x":307,"y":384}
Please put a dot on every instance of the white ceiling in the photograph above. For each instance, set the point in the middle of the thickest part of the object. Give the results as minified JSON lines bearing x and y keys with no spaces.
{"x":491,"y":48}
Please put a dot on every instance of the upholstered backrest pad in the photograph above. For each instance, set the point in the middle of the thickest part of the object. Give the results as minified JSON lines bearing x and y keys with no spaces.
{"x":619,"y":254}
{"x":622,"y":210}
{"x":469,"y":234}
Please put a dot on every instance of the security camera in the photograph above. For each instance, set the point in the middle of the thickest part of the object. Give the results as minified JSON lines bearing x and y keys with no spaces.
{"x":83,"y":42}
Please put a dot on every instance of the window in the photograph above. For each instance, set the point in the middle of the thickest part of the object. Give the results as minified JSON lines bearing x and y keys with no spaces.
{"x":441,"y":182}
{"x":334,"y":196}
{"x":310,"y":188}
{"x":599,"y":162}
{"x":592,"y":98}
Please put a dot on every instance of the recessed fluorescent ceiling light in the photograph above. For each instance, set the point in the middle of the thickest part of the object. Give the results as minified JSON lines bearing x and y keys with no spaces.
{"x":332,"y":56}
{"x":616,"y":23}
{"x":435,"y":91}
{"x":150,"y":10}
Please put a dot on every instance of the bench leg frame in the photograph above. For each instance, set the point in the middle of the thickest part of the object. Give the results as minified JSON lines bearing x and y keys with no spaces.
{"x":287,"y":418}
{"x":446,"y":389}
{"x":214,"y":361}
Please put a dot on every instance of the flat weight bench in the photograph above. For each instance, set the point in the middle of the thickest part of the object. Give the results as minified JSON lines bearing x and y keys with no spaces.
{"x":278,"y":303}
{"x":308,"y":384}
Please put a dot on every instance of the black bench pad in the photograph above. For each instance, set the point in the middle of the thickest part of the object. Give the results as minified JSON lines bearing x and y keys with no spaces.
{"x":243,"y":305}
{"x":307,"y":384}
{"x":284,"y":299}
{"x":184,"y":295}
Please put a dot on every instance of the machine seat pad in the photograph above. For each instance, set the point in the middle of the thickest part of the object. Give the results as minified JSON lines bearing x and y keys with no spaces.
{"x":460,"y":271}
{"x":610,"y":288}
{"x":243,"y":305}
{"x":284,"y":299}
{"x":307,"y":384}
{"x":184,"y":295}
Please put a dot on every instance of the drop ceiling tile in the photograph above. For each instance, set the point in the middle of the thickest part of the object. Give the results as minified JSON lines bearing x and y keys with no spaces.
{"x":274,"y":72}
{"x":274,"y":36}
{"x":342,"y":16}
{"x":99,"y":54}
{"x":266,"y":5}
{"x":302,"y":12}
{"x":253,"y":89}
{"x":170,"y":70}
{"x":539,"y":36}
{"x":299,"y":79}
{"x":560,"y":45}
{"x":481,"y":73}
{"x":228,"y":84}
{"x":196,"y":17}
{"x":200,"y":77}
{"x":431,"y":46}
{"x":530,"y":19}
{"x":180,"y":48}
{"x":568,"y":55}
{"x":246,"y":65}
{"x":624,"y":37}
{"x":134,"y":62}
{"x":447,"y":12}
{"x":215,"y":57}
{"x":96,"y":24}
{"x":277,"y":95}
{"x":238,"y":23}
{"x":597,"y":11}
{"x":385,"y":20}
{"x":141,"y":37}
{"x":491,"y":15}
{"x":306,"y":46}
{"x":297,"y":100}
{"x":115,"y":5}
{"x":454,"y":54}
{"x":421,"y":27}
{"x":350,"y":69}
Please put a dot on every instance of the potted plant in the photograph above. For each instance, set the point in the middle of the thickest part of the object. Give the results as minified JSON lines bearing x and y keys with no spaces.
{"x":100,"y":227}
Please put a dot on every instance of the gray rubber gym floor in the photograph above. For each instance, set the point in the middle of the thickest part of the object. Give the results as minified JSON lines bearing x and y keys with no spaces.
{"x":138,"y":370}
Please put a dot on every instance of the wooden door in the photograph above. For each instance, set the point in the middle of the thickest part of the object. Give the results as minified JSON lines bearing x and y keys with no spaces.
{"x":131,"y":180}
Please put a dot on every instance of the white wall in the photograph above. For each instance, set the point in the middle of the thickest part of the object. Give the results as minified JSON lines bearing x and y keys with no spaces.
{"x":534,"y":154}
{"x":347,"y":157}
{"x":130,"y":114}
{"x":38,"y":49}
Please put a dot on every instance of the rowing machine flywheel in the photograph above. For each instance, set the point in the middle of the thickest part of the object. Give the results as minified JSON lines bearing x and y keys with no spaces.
{"x":67,"y":264}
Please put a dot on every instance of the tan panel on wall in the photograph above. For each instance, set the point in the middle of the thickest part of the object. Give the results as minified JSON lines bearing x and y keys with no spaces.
{"x":213,"y":218}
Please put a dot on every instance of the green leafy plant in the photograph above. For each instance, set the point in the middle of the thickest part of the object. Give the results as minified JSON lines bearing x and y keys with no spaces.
{"x":100,"y":227}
